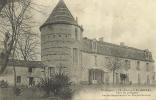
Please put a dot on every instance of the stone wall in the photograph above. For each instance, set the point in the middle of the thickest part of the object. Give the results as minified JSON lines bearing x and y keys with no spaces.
{"x":57,"y":41}
{"x":57,"y":44}
{"x":8,"y":75}
{"x":95,"y":61}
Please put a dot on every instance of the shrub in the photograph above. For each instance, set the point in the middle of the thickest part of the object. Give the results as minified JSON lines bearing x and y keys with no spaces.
{"x":3,"y":84}
{"x":46,"y":85}
{"x":17,"y":91}
{"x":59,"y":85}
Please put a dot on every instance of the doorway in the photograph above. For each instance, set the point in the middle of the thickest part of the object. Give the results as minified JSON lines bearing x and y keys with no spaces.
{"x":96,"y":76}
{"x":124,"y":78}
{"x":31,"y":81}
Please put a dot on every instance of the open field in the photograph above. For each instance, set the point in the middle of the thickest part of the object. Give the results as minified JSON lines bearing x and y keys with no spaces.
{"x":87,"y":92}
{"x":27,"y":94}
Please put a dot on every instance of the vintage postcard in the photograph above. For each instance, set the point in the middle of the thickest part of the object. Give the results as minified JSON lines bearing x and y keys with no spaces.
{"x":77,"y":50}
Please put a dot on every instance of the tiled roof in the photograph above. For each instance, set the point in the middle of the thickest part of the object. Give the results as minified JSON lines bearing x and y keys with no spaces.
{"x":110,"y":49}
{"x":22,"y":63}
{"x":60,"y":15}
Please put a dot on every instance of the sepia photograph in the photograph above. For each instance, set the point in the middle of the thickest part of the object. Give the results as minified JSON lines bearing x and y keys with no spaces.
{"x":77,"y":49}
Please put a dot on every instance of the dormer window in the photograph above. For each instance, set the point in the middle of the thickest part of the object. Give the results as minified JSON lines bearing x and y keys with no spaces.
{"x":147,"y":54}
{"x":94,"y":46}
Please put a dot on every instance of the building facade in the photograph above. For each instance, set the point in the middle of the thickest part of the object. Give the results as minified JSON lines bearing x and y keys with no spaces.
{"x":27,"y":73}
{"x":85,"y":61}
{"x":88,"y":61}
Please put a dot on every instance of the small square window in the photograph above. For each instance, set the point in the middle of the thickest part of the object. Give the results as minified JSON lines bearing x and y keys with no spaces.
{"x":30,"y":70}
{"x":18,"y":79}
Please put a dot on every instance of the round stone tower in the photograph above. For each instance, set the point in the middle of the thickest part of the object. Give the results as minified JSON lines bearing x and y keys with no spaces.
{"x":60,"y":38}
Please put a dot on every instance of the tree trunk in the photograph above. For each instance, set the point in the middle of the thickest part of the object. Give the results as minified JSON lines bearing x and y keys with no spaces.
{"x":5,"y":59}
{"x":15,"y":85}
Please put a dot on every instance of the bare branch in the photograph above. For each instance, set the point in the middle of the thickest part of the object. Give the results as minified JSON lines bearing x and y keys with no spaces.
{"x":14,"y":13}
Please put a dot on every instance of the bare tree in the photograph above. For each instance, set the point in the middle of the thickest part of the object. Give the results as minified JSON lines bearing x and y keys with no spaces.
{"x":27,"y":46}
{"x":114,"y":64}
{"x":14,"y":15}
{"x":4,"y":2}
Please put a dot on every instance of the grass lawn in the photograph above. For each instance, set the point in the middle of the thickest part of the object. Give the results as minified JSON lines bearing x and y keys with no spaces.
{"x":81,"y":91}
{"x":27,"y":94}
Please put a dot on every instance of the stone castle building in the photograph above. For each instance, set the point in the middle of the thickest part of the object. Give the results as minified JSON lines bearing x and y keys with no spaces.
{"x":85,"y":61}
{"x":88,"y":61}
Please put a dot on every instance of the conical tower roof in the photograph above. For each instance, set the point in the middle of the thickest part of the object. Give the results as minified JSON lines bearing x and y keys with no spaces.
{"x":60,"y":15}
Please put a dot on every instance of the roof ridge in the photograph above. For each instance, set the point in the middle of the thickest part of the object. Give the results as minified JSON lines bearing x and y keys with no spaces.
{"x":113,"y":44}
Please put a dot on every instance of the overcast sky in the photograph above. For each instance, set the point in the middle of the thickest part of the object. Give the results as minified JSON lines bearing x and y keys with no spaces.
{"x":129,"y":21}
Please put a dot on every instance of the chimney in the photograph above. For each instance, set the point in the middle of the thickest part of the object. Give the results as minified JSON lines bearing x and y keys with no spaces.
{"x":122,"y":44}
{"x":101,"y":39}
{"x":146,"y":50}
